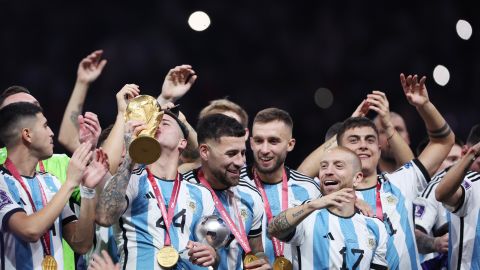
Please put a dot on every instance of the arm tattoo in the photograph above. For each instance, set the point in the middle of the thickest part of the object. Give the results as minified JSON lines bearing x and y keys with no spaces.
{"x":74,"y":115}
{"x":441,"y":132}
{"x":280,"y":227}
{"x":425,"y":243}
{"x":112,"y":200}
{"x":296,"y":214}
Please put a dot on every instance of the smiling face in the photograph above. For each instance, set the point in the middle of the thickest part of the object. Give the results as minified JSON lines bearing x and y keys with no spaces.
{"x":223,"y":159}
{"x":364,"y":142}
{"x":339,"y":168}
{"x":270,"y":144}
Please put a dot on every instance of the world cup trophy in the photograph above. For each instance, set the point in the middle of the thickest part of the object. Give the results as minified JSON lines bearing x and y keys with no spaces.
{"x":212,"y":230}
{"x":145,"y":149}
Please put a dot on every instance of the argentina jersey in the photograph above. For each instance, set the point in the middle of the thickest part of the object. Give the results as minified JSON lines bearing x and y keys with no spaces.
{"x":429,"y":214}
{"x":464,"y":229}
{"x":328,"y":241}
{"x":300,"y":188}
{"x":397,"y":193}
{"x":140,"y":231}
{"x":250,"y":207}
{"x":19,"y":254}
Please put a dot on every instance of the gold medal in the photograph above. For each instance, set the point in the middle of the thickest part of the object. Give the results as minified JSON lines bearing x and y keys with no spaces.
{"x":167,"y":257}
{"x":249,"y":258}
{"x":49,"y":263}
{"x":282,"y":263}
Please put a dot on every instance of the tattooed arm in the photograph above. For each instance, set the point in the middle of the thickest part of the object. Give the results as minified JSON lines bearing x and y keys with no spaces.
{"x":283,"y":225}
{"x":427,"y":244}
{"x":88,"y":71}
{"x":112,"y":201}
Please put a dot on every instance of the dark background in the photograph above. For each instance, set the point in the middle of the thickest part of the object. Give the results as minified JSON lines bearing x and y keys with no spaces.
{"x":258,"y":53}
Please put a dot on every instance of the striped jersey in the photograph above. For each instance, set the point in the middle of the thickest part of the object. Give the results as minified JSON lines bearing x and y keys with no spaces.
{"x":430,"y":214}
{"x":300,"y":188}
{"x":464,"y":229}
{"x":140,"y":232}
{"x":16,"y":253}
{"x":250,"y":207}
{"x":328,"y":241}
{"x":397,"y":192}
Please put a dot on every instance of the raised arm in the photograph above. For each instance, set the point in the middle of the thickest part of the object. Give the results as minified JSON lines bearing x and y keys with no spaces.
{"x":88,"y":71}
{"x":402,"y":153}
{"x":113,"y":144}
{"x":448,"y":190}
{"x":283,"y":225}
{"x":112,"y":201}
{"x":79,"y":235}
{"x":439,"y":132}
{"x":32,"y":227}
{"x":177,"y":83}
{"x":311,"y":164}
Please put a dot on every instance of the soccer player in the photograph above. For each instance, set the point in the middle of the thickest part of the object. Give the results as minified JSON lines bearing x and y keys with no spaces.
{"x":34,"y":212}
{"x":152,"y":209}
{"x":457,"y":192}
{"x":222,"y":151}
{"x":328,"y":230}
{"x":391,"y":196}
{"x":278,"y":185}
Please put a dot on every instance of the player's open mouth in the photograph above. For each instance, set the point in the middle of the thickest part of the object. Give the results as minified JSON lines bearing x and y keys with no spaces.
{"x":330,"y":182}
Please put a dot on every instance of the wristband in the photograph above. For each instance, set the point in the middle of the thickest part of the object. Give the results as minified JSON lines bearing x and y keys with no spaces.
{"x":87,"y":193}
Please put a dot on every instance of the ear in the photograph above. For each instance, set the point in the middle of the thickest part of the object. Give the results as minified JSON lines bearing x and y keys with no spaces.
{"x":247,"y":133}
{"x":182,"y":144}
{"x":27,"y":135}
{"x":357,"y":178}
{"x":291,"y":144}
{"x":204,"y":151}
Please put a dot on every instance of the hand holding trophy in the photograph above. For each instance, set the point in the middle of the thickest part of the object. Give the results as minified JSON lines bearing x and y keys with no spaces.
{"x":145,"y":149}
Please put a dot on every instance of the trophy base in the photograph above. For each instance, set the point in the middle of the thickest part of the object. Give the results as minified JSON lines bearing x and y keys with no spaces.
{"x":144,"y":150}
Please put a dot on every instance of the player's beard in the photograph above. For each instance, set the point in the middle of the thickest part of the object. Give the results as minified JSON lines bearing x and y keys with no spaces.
{"x":278,"y":163}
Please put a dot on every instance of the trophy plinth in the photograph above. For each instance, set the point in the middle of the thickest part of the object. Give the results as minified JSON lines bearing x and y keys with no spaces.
{"x":144,"y":150}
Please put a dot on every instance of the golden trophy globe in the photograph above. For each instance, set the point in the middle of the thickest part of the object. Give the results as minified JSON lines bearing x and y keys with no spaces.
{"x":145,"y":149}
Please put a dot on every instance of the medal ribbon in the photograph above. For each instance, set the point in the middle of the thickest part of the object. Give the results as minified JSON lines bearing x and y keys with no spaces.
{"x":277,"y":245}
{"x":45,"y":239}
{"x":239,"y":234}
{"x":167,"y":216}
{"x":379,"y":211}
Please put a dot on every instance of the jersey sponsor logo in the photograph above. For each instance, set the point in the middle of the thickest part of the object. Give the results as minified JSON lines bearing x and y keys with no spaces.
{"x":329,"y":236}
{"x":419,"y":210}
{"x":4,"y":199}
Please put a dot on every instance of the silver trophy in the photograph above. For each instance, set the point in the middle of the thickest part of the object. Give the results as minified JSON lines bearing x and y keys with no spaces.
{"x":212,"y":230}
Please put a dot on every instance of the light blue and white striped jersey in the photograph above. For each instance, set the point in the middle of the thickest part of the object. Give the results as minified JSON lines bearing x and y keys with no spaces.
{"x":464,"y":229}
{"x":398,"y":191}
{"x":430,"y":214}
{"x":140,"y":231}
{"x":328,"y":241}
{"x":251,"y":210}
{"x":300,"y":188}
{"x":16,"y":253}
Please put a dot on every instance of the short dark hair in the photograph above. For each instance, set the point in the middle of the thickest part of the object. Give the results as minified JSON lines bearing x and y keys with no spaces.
{"x":104,"y":135}
{"x":215,"y":126}
{"x":333,"y":130}
{"x":12,"y":90}
{"x":355,"y":122}
{"x":12,"y":118}
{"x":273,"y":114}
{"x":474,"y":135}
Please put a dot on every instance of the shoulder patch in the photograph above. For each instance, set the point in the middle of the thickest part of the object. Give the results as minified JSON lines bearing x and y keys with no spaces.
{"x":4,"y":199}
{"x":419,"y":210}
